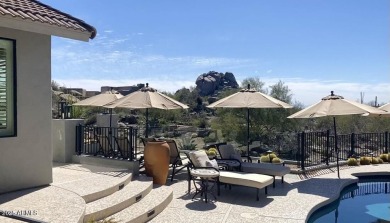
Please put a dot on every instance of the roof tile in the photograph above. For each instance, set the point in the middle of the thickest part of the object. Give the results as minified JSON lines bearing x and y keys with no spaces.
{"x":38,"y":12}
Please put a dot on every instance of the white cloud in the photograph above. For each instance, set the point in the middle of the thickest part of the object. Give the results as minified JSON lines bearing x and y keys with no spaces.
{"x":311,"y":91}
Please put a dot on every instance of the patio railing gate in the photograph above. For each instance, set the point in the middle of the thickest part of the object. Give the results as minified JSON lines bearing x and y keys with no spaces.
{"x":108,"y":142}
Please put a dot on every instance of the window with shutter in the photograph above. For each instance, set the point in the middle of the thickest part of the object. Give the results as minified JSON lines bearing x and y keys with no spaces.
{"x":7,"y":88}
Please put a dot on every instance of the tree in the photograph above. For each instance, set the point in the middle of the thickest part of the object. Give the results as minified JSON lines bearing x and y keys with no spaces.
{"x":281,"y":92}
{"x":254,"y":83}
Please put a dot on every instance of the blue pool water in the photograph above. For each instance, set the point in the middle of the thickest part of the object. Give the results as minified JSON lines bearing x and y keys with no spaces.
{"x":368,"y":201}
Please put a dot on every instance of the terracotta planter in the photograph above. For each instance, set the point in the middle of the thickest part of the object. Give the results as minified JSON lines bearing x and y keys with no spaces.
{"x":156,"y":155}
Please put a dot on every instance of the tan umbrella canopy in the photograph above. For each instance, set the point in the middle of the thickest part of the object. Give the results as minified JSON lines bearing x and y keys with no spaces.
{"x":334,"y":105}
{"x":146,"y":98}
{"x":249,"y":98}
{"x":100,"y":100}
{"x":385,"y":107}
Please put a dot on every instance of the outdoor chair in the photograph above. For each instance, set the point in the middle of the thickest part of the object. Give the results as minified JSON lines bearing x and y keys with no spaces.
{"x":199,"y":160}
{"x":124,"y":147}
{"x":105,"y":146}
{"x":228,"y":152}
{"x":175,"y":159}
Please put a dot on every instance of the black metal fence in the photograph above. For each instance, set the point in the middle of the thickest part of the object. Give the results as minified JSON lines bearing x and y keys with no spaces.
{"x":315,"y":148}
{"x":108,"y":142}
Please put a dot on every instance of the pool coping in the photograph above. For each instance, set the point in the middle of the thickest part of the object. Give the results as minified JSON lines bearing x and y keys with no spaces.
{"x":353,"y":180}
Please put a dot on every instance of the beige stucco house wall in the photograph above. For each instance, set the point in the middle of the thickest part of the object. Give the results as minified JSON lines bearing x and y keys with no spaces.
{"x":26,"y":159}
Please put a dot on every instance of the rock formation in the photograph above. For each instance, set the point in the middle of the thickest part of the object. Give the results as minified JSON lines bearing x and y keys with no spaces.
{"x":208,"y":83}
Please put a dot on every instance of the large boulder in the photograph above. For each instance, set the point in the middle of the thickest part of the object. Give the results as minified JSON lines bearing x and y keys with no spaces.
{"x":208,"y":83}
{"x":230,"y":80}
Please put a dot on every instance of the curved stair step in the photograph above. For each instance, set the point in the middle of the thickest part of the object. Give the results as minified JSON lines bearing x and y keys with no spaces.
{"x":128,"y":195}
{"x":147,"y":208}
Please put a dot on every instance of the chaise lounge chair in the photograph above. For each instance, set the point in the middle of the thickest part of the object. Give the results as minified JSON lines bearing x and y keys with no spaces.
{"x":228,"y":152}
{"x":199,"y":160}
{"x":175,"y":160}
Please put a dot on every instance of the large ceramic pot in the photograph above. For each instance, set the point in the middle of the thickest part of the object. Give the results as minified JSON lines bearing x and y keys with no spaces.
{"x":156,"y":158}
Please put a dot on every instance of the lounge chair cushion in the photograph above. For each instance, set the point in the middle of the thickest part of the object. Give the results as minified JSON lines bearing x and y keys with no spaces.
{"x":199,"y":158}
{"x":226,"y":151}
{"x":265,"y":168}
{"x":236,"y":157}
{"x":245,"y":179}
{"x":212,"y":163}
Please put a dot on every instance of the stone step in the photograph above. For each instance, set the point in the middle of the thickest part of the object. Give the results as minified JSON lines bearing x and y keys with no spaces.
{"x":91,"y":182}
{"x":128,"y":195}
{"x":147,"y":208}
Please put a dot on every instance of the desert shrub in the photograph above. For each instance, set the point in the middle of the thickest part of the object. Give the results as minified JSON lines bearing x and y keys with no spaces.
{"x":187,"y":143}
{"x":276,"y":160}
{"x":365,"y":160}
{"x":384,"y":157}
{"x":272,"y":156}
{"x":264,"y":159}
{"x":352,"y":162}
{"x":212,"y":149}
{"x":208,"y":139}
{"x":374,"y":160}
{"x":380,"y":161}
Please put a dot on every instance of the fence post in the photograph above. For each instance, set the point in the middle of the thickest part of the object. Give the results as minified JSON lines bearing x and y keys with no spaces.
{"x":386,"y":142}
{"x":352,"y":145}
{"x":78,"y":139}
{"x":303,"y":151}
{"x":327,"y":146}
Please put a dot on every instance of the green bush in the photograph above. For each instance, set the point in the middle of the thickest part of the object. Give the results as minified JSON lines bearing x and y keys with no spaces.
{"x":212,"y":149}
{"x":352,"y":162}
{"x":365,"y":160}
{"x":375,"y":160}
{"x":211,"y":153}
{"x":264,"y":159}
{"x":272,"y":156}
{"x":384,"y":157}
{"x":276,"y":160}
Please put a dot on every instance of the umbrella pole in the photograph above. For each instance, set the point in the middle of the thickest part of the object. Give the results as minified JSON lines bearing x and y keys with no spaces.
{"x":110,"y":118}
{"x":335,"y":146}
{"x":146,"y":127}
{"x":247,"y":132}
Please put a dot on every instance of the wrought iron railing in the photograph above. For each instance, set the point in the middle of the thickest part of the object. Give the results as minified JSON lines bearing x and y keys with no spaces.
{"x":315,"y":148}
{"x":108,"y":142}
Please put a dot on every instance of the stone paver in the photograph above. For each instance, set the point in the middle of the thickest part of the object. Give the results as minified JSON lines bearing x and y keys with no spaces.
{"x":292,"y":201}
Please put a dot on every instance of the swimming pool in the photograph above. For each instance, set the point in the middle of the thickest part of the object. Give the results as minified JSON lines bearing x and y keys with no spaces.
{"x":367,"y":201}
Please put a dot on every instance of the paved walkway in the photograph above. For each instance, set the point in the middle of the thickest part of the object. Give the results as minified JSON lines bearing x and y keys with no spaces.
{"x":291,"y":202}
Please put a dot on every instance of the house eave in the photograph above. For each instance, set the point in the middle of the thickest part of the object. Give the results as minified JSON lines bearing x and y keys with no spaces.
{"x":42,"y":28}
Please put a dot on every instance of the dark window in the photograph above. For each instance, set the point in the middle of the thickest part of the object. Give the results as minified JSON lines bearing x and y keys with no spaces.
{"x":7,"y":88}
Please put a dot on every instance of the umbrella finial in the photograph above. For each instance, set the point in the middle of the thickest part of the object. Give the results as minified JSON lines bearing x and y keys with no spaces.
{"x":331,"y":93}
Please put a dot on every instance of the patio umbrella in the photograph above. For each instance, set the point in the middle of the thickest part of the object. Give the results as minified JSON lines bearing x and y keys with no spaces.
{"x":100,"y":100}
{"x":334,"y":105}
{"x":146,"y":98}
{"x":385,"y":107}
{"x":249,"y":98}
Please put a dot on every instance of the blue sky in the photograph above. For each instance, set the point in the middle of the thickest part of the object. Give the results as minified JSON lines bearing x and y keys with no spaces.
{"x":314,"y":46}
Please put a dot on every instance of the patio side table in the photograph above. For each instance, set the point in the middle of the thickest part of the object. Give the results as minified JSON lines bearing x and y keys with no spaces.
{"x":206,"y":176}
